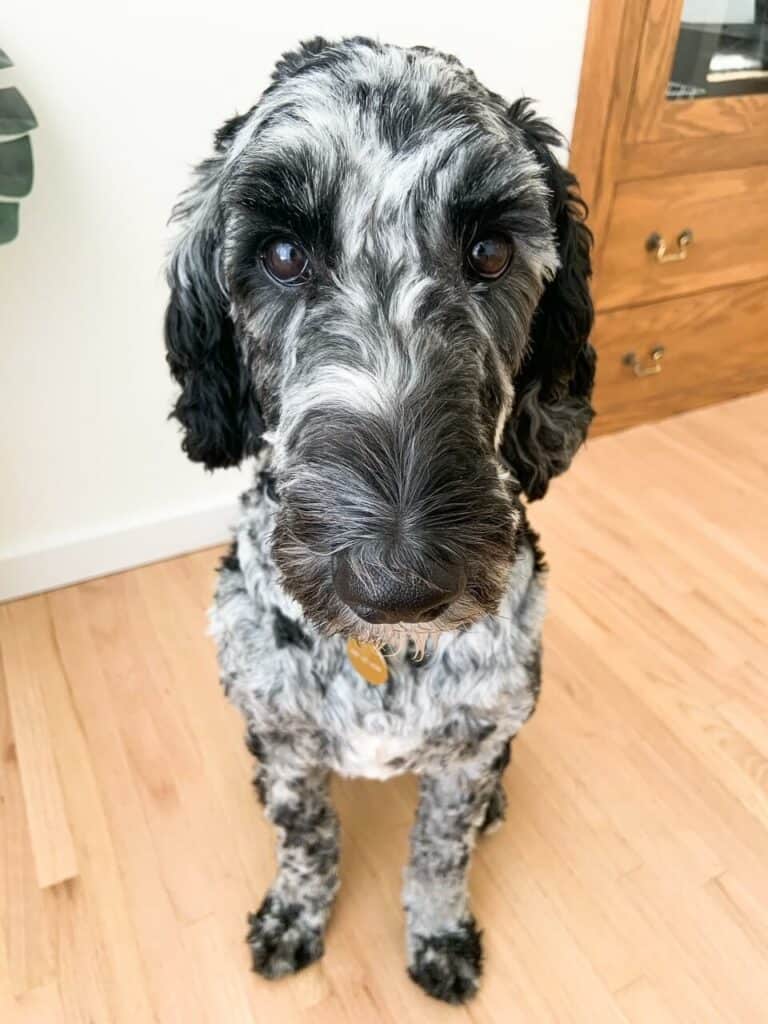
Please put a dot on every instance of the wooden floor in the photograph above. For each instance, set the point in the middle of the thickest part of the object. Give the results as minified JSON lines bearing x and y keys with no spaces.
{"x":629,"y":884}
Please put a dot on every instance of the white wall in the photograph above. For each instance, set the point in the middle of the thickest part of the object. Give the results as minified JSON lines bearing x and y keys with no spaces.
{"x":91,"y":474}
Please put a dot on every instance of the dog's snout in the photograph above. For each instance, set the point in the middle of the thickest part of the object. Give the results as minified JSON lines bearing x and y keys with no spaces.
{"x":380,"y":595}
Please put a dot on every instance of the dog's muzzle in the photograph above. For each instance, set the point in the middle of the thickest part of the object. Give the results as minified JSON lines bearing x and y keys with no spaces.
{"x":379,"y":595}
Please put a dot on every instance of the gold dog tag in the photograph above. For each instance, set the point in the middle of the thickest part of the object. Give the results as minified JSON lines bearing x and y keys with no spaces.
{"x":368,"y":661}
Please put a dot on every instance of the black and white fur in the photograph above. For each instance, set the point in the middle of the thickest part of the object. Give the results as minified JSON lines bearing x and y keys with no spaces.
{"x":398,"y":410}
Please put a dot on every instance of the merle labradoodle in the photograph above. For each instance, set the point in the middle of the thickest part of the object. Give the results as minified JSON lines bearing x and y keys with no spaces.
{"x":380,"y":289}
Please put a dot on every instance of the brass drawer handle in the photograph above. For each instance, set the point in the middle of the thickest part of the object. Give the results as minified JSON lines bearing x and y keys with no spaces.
{"x":656,"y":354}
{"x":655,"y":243}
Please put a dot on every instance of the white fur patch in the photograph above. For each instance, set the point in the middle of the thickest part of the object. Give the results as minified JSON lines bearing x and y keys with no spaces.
{"x":368,"y":754}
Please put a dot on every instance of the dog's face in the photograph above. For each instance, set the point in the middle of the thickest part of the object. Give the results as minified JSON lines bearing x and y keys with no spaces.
{"x":356,"y":281}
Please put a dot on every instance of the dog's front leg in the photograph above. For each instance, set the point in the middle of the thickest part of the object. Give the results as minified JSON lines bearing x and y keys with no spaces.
{"x":444,"y":947}
{"x":286,"y":933}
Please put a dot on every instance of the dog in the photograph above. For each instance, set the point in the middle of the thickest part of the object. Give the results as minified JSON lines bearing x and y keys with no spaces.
{"x":379,"y":290}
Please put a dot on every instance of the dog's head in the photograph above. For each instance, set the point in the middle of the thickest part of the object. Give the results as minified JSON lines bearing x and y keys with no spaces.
{"x":382,"y":272}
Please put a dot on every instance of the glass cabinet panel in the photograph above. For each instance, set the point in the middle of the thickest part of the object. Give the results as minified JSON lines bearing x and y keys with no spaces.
{"x":722,"y":49}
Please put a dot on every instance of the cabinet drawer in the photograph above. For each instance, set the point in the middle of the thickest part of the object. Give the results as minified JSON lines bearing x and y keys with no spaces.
{"x":727,"y":212}
{"x":715,"y":347}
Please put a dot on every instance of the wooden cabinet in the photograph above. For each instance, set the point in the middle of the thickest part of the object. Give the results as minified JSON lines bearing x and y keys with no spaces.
{"x":671,"y":146}
{"x":714,"y":348}
{"x":726,"y":213}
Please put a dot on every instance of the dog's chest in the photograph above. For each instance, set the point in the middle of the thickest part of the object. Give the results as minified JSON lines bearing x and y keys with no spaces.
{"x":300,"y":692}
{"x":424,"y":718}
{"x":376,"y":755}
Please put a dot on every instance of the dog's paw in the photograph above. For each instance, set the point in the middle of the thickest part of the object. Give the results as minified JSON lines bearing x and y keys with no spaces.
{"x":448,"y":965}
{"x":280,"y":939}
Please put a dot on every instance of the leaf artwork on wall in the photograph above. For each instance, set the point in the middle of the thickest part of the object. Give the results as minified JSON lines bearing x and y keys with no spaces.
{"x":16,"y":165}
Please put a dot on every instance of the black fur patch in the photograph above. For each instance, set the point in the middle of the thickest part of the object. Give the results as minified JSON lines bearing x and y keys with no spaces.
{"x":230,"y":562}
{"x":224,"y":135}
{"x":496,"y":809}
{"x":260,"y":786}
{"x":497,"y":805}
{"x":418,"y":661}
{"x":255,"y":745}
{"x":501,"y":761}
{"x":534,"y":677}
{"x":279,"y":942}
{"x":268,"y":486}
{"x":288,"y":632}
{"x":539,"y":560}
{"x":299,"y":820}
{"x":448,"y":966}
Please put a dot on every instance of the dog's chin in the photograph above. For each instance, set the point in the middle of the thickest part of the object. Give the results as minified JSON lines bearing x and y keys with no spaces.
{"x":416,"y":637}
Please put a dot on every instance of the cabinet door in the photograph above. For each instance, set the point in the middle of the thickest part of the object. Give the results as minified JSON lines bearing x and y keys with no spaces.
{"x":725,"y":213}
{"x":668,"y":357}
{"x":702,"y":71}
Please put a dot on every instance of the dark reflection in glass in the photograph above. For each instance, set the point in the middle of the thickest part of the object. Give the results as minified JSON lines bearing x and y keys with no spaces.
{"x":722,"y":49}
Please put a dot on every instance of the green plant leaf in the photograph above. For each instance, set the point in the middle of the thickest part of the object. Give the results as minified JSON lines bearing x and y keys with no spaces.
{"x":15,"y":113}
{"x":5,"y":60}
{"x":9,"y":221}
{"x":16,"y":168}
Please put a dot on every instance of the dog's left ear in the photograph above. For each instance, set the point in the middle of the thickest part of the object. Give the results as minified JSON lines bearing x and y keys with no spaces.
{"x":216,"y":406}
{"x":552,"y":411}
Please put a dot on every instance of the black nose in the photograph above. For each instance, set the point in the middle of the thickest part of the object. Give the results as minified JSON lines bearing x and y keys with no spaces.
{"x":377,"y":595}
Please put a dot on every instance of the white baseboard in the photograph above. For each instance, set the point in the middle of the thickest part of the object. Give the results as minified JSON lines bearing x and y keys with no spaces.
{"x":82,"y":558}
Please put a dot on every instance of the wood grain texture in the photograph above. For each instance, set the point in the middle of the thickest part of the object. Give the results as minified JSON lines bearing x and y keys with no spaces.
{"x":596,"y":99}
{"x":660,"y":29}
{"x":716,"y":347}
{"x":27,"y":672}
{"x":681,"y":156}
{"x":730,"y":116}
{"x":613,"y":38}
{"x":628,"y":883}
{"x":728,"y":214}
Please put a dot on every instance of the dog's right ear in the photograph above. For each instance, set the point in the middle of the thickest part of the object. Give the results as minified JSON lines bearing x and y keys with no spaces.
{"x":216,"y":406}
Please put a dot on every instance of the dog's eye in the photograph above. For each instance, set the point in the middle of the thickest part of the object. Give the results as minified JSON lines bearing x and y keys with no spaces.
{"x":490,"y":257}
{"x":286,"y":262}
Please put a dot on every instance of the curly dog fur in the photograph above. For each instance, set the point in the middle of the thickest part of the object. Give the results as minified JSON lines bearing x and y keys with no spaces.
{"x":379,"y":290}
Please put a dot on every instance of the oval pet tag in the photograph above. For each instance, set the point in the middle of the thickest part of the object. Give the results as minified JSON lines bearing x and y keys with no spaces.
{"x":368,"y":661}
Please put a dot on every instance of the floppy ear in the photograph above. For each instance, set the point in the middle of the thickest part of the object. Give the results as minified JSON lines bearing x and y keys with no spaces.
{"x":216,"y":406}
{"x":552,"y":411}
